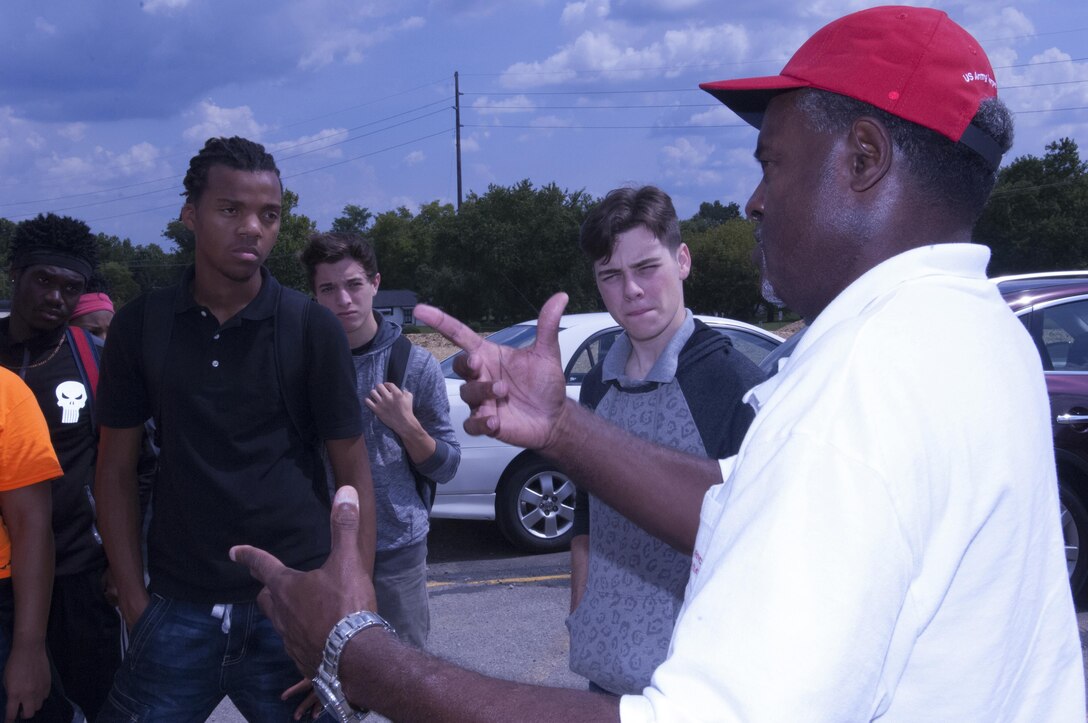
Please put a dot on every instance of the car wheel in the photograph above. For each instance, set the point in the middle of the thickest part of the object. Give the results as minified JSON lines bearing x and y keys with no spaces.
{"x":1075,"y":532}
{"x":534,"y":505}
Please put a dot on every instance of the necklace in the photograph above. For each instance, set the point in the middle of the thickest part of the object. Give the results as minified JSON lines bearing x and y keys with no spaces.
{"x":43,"y":361}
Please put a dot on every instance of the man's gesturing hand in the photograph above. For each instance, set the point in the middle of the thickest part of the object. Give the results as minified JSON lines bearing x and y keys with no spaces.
{"x":304,"y":606}
{"x":517,"y":395}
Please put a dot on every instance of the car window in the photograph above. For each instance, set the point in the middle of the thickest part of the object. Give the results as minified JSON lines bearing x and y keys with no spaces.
{"x":751,"y":345}
{"x":1064,"y":329}
{"x":517,"y":336}
{"x":591,"y":352}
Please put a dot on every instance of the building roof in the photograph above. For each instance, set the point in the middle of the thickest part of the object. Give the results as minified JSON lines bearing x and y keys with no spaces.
{"x":395,"y":298}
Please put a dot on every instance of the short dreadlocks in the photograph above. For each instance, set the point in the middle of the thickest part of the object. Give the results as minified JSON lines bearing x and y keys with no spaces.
{"x":238,"y":153}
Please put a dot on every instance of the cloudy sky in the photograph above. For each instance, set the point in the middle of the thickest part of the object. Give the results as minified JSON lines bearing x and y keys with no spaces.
{"x":103,"y":102}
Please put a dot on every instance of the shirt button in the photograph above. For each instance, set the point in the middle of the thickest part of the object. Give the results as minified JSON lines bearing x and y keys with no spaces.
{"x":216,"y":337}
{"x":215,"y":363}
{"x":203,"y":313}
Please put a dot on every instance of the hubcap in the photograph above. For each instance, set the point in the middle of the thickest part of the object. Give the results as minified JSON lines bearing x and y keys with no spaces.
{"x":546,"y":505}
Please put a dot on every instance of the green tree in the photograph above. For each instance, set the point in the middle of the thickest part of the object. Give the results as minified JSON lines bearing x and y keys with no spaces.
{"x":709,"y":216}
{"x":353,"y":219}
{"x":7,"y":230}
{"x":1037,"y":215}
{"x":153,"y":268}
{"x":295,"y":231}
{"x":723,"y":280}
{"x":183,"y":238}
{"x":122,"y":286}
{"x":509,"y":250}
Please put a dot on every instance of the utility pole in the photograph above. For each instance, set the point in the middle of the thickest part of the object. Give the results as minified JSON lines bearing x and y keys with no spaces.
{"x":457,"y":121}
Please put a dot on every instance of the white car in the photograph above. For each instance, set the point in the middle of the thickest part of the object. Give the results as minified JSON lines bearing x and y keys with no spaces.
{"x":533,"y":502}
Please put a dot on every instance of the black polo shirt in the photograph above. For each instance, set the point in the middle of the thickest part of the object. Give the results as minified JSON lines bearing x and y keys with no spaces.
{"x":232,"y":467}
{"x":48,"y":366}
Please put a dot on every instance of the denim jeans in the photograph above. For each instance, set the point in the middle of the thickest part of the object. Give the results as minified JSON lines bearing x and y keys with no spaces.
{"x":55,"y":708}
{"x":183,"y":658}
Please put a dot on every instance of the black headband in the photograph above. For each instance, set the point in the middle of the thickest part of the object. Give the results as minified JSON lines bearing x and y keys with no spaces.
{"x":52,"y":257}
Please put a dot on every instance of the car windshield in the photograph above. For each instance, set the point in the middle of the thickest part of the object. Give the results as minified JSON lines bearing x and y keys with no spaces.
{"x":517,"y":336}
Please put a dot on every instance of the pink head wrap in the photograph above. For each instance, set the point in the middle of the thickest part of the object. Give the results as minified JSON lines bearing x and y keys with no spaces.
{"x":89,"y":303}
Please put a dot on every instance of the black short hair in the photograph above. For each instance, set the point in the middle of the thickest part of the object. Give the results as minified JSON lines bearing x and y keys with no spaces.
{"x":235,"y":152}
{"x":329,"y":248}
{"x":48,"y":234}
{"x":622,"y":209}
{"x":948,"y":173}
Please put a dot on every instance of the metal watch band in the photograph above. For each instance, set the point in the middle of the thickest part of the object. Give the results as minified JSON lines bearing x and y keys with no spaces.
{"x":327,"y":681}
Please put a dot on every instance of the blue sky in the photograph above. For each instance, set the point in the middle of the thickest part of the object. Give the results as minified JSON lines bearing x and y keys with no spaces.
{"x":102,"y":103}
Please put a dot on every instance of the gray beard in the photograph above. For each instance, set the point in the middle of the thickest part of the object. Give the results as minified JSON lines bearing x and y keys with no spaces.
{"x":766,"y":289}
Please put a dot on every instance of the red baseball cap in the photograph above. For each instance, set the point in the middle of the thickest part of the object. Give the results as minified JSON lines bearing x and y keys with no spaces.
{"x":914,"y":63}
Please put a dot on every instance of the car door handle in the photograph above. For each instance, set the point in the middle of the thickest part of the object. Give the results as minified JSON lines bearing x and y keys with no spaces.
{"x":1072,"y":418}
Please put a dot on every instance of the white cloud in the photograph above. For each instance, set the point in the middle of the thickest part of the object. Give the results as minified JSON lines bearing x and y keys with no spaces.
{"x":689,"y":161}
{"x":349,"y":45}
{"x":514,"y":104}
{"x":995,"y":26}
{"x":154,"y":7}
{"x":470,"y":144}
{"x":323,"y":144}
{"x":44,"y":27}
{"x":415,"y":158}
{"x":137,"y":159}
{"x":214,"y":120}
{"x":717,"y":116}
{"x":549,"y":121}
{"x":578,"y":13}
{"x":72,"y":131}
{"x":609,"y":56}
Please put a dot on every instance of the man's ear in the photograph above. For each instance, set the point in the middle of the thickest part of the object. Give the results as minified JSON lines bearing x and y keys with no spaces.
{"x":188,"y":213}
{"x":683,"y":260}
{"x":870,"y":147}
{"x":377,"y":281}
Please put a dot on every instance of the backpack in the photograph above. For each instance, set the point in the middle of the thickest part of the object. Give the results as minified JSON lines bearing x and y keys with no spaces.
{"x":87,"y":352}
{"x":394,"y":372}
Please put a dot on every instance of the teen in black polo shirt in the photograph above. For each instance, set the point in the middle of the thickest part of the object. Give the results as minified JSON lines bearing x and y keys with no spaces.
{"x":233,"y":466}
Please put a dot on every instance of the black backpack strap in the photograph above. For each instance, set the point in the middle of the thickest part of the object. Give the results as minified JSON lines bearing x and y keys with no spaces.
{"x":158,"y":326}
{"x":398,"y":360}
{"x":292,"y":318}
{"x":395,"y":371}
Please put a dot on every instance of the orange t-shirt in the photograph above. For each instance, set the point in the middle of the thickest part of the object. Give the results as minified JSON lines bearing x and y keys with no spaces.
{"x":26,"y":454}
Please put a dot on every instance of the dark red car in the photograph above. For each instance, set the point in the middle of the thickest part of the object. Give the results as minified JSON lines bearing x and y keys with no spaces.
{"x":1054,"y":308}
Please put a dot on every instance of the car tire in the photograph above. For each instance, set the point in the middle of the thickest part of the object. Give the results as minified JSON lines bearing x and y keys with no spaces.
{"x":534,"y":505}
{"x":1075,"y":531}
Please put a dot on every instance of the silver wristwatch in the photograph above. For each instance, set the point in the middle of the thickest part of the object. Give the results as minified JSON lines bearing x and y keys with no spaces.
{"x":327,"y":681}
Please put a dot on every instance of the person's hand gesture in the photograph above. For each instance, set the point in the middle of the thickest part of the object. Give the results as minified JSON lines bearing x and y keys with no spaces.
{"x":516,"y":395}
{"x":304,"y":606}
{"x":393,"y":406}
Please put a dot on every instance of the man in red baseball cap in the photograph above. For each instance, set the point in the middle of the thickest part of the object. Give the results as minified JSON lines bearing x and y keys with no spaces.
{"x":886,"y":543}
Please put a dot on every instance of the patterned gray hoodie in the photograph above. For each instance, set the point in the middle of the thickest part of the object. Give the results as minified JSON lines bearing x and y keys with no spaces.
{"x":401,"y":516}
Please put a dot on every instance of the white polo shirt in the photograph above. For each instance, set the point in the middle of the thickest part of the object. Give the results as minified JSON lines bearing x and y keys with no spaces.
{"x":886,"y":543}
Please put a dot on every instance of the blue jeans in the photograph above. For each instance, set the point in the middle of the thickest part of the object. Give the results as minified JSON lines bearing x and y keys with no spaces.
{"x":183,"y":658}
